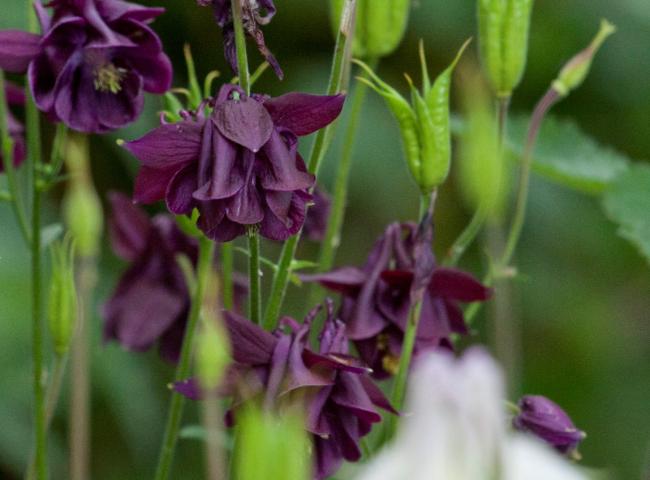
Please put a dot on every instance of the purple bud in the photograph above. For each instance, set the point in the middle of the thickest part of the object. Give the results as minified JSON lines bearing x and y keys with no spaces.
{"x":546,"y":420}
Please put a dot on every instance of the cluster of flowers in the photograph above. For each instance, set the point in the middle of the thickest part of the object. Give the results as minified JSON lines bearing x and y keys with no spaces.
{"x":235,"y":160}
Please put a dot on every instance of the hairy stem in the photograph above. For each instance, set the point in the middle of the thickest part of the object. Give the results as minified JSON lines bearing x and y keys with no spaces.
{"x":255,"y":291}
{"x":340,"y":65}
{"x":206,"y":251}
{"x":240,"y":45}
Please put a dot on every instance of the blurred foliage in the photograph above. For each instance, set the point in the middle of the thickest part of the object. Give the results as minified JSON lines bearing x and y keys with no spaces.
{"x":583,"y":298}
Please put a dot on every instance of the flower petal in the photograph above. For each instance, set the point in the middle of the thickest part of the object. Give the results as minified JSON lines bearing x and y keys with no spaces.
{"x":282,"y":172}
{"x":17,"y":50}
{"x":168,"y":145}
{"x":244,"y":121}
{"x":179,"y":191}
{"x":302,"y":113}
{"x":458,"y":285}
{"x":251,"y":345}
{"x":151,"y":183}
{"x":346,"y":280}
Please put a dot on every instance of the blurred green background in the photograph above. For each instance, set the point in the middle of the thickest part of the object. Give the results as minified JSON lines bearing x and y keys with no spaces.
{"x":584,"y":297}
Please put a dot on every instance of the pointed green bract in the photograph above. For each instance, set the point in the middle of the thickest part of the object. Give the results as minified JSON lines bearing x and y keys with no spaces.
{"x":504,"y":27}
{"x":380,"y":25}
{"x":62,"y":304}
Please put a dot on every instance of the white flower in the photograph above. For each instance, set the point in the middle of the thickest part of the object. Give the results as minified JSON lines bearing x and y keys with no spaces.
{"x":455,"y":429}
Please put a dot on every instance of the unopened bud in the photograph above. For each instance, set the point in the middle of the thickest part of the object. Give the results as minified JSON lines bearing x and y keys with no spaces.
{"x":82,"y":208}
{"x":503,"y":41}
{"x":576,"y":70}
{"x":380,"y":25}
{"x":62,"y":305}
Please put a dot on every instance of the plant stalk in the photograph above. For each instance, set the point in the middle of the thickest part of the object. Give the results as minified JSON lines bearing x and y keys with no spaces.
{"x":255,"y":291}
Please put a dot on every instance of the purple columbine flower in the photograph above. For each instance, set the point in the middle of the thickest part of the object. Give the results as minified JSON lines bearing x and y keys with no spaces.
{"x":546,"y":420}
{"x":377,"y":298}
{"x":254,"y":14}
{"x":239,"y":166}
{"x":150,"y":303}
{"x":15,"y":97}
{"x":92,"y":63}
{"x":341,"y":400}
{"x":317,"y":216}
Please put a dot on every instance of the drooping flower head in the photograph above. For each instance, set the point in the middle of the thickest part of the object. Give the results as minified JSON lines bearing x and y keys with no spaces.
{"x":239,"y":165}
{"x":377,"y":297}
{"x":254,"y":14}
{"x":15,"y":97}
{"x":546,"y":419}
{"x":92,"y":63}
{"x":150,"y":303}
{"x":340,"y":399}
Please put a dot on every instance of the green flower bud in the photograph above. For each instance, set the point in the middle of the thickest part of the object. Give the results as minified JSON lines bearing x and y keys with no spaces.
{"x":274,"y":444}
{"x":380,"y":25}
{"x":483,"y":171}
{"x":62,"y":305}
{"x":424,"y":123}
{"x":82,"y":208}
{"x":503,"y":41}
{"x":576,"y":70}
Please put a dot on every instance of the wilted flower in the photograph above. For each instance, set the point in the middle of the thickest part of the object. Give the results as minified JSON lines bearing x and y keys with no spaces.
{"x":454,"y":428}
{"x":340,"y":398}
{"x":240,"y":166}
{"x":545,"y":419}
{"x":15,"y":97}
{"x":254,"y":14}
{"x":91,"y":64}
{"x":317,"y":216}
{"x":151,"y":302}
{"x":377,"y":299}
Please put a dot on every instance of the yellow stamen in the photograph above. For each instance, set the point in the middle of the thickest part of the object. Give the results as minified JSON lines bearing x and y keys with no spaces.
{"x":108,"y":78}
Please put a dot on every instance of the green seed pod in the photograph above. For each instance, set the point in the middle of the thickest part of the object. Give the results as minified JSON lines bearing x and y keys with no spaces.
{"x":503,"y":41}
{"x":380,"y":25}
{"x":82,"y":208}
{"x":62,"y":305}
{"x":576,"y":70}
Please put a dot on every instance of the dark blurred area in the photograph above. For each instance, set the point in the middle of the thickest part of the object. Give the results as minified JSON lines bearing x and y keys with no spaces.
{"x":582,"y":302}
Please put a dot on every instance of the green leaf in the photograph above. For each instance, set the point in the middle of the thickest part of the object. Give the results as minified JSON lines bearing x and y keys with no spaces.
{"x":627,"y":202}
{"x":566,"y":155}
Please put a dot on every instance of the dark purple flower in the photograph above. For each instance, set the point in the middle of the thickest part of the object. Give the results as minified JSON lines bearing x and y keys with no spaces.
{"x":545,"y":419}
{"x":254,"y":14}
{"x":239,"y":166}
{"x":150,"y":303}
{"x":377,"y":297}
{"x":15,"y":97}
{"x":340,"y":399}
{"x":92,"y":63}
{"x":317,"y":216}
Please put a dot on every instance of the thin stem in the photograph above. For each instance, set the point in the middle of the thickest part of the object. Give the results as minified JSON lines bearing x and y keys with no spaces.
{"x":408,"y":344}
{"x":206,"y":251}
{"x":51,"y":400}
{"x":79,"y":416}
{"x":212,"y":422}
{"x":7,"y":158}
{"x":240,"y":45}
{"x":255,"y":304}
{"x":227,"y":288}
{"x":340,"y":64}
{"x":335,"y":223}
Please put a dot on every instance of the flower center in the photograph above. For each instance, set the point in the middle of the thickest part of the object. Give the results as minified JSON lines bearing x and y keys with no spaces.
{"x":108,"y":78}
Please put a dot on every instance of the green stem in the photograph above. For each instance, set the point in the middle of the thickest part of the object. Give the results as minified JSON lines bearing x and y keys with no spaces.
{"x":408,"y":345}
{"x":340,"y":64}
{"x":335,"y":223}
{"x":240,"y":45}
{"x":7,"y":158}
{"x":206,"y":250}
{"x":255,"y":304}
{"x":227,"y":288}
{"x":57,"y":156}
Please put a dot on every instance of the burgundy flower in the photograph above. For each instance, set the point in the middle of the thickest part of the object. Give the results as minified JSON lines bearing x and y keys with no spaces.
{"x":15,"y":97}
{"x":254,"y":14}
{"x":92,"y":63}
{"x":278,"y":367}
{"x":240,"y":166}
{"x":378,"y":296}
{"x":150,"y":303}
{"x":545,"y":419}
{"x":317,"y":216}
